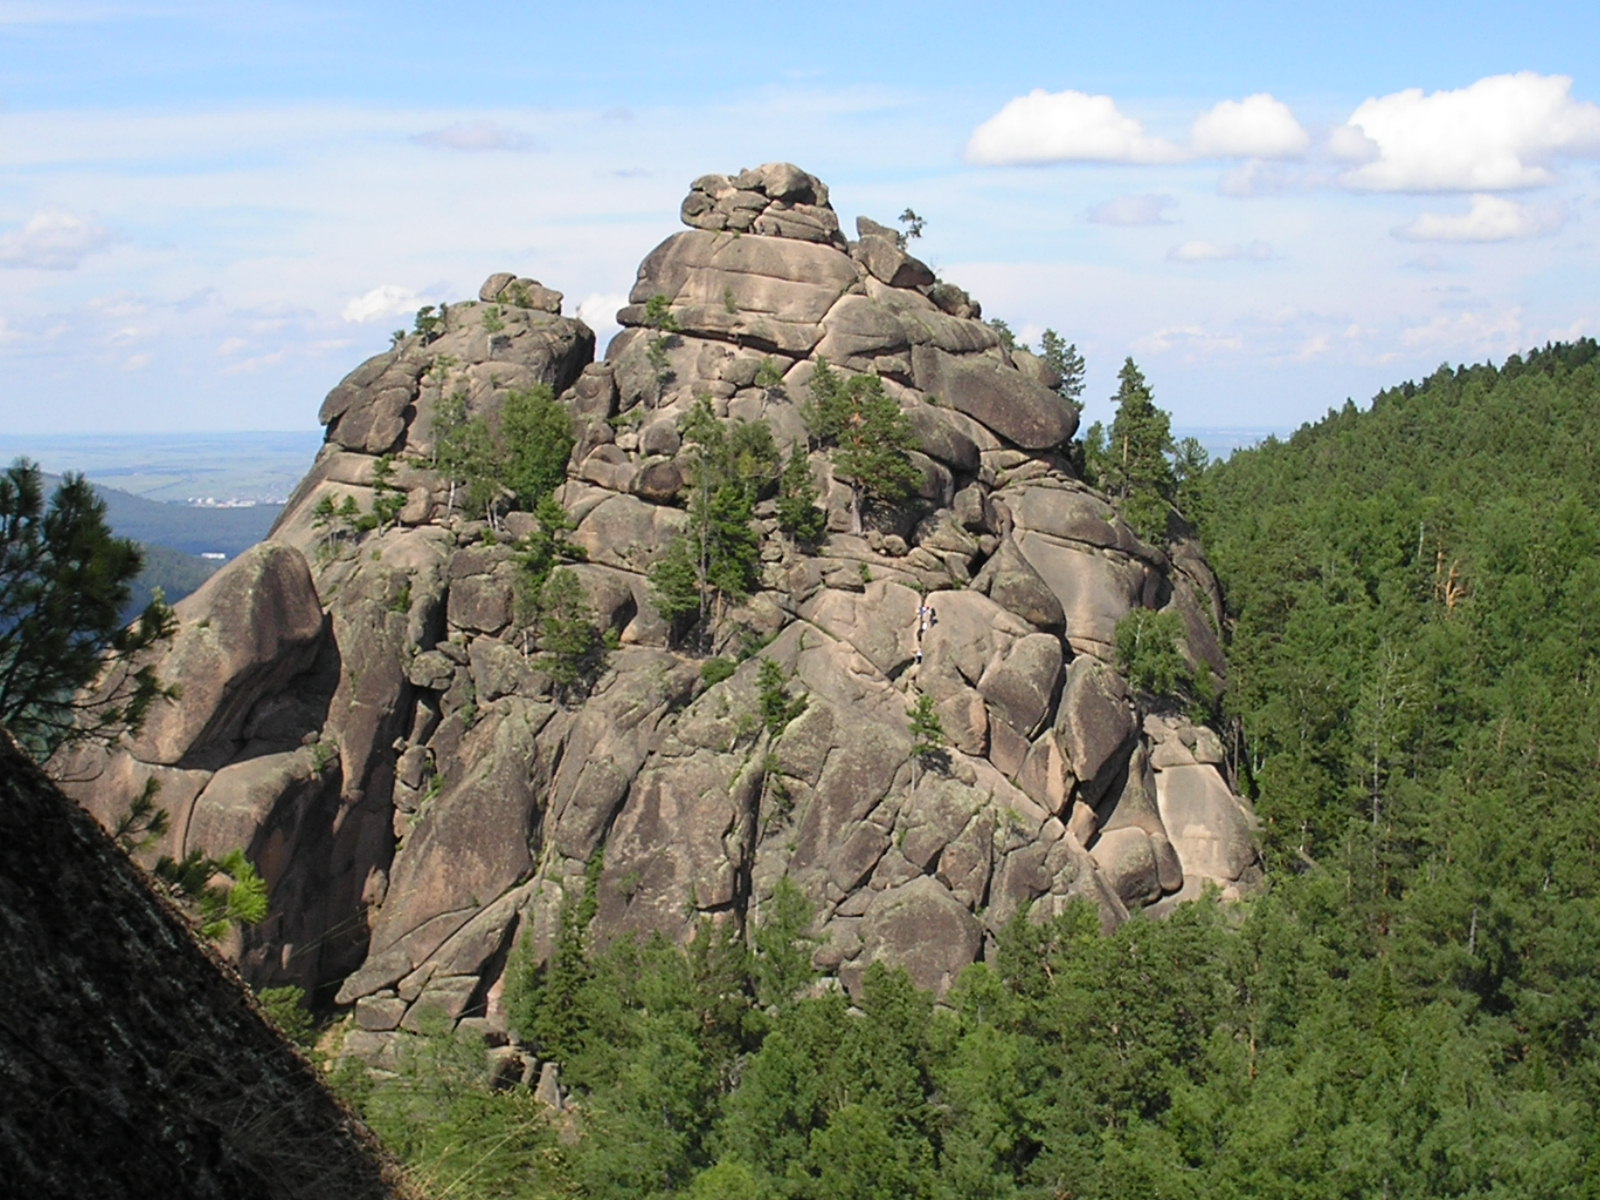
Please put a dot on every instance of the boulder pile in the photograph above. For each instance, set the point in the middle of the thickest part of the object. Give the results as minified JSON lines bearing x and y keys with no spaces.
{"x":363,"y":715}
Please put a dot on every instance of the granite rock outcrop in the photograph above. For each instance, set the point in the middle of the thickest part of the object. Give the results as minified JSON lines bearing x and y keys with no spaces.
{"x":421,"y":796}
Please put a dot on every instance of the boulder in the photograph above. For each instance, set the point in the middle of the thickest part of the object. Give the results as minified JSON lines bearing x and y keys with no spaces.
{"x":924,"y":928}
{"x":999,"y":397}
{"x":1095,"y":724}
{"x":251,"y":628}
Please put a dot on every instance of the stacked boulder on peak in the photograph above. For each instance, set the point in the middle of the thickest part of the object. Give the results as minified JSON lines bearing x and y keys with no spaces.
{"x":775,"y":200}
{"x":429,"y":796}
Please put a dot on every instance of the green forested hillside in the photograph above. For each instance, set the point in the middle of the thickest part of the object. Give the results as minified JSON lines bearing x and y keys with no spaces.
{"x":176,"y":574}
{"x":1408,"y":1009}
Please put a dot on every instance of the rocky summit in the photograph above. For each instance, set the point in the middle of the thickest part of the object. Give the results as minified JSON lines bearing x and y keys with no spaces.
{"x":362,"y":712}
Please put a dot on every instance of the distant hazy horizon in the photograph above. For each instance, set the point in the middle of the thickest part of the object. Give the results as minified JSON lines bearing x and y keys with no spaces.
{"x":265,"y":465}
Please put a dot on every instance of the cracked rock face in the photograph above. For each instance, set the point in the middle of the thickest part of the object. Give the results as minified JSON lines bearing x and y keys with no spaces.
{"x":420,"y":799}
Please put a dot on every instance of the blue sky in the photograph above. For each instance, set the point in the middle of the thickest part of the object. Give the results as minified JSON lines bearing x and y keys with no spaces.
{"x":208,"y":214}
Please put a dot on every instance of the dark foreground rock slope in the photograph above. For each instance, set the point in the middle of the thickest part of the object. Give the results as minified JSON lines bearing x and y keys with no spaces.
{"x":133,"y":1061}
{"x":365,"y":718}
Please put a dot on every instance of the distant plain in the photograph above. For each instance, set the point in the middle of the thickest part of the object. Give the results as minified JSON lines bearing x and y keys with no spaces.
{"x":179,"y":467}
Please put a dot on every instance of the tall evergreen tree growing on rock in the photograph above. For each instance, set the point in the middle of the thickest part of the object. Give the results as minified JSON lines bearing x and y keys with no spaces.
{"x":64,"y":580}
{"x":1066,"y":361}
{"x":731,"y":464}
{"x":867,"y":434}
{"x":1137,"y":471}
{"x":798,"y":514}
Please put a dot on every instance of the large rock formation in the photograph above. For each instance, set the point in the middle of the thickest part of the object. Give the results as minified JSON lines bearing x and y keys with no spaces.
{"x":133,"y":1060}
{"x":363,"y":716}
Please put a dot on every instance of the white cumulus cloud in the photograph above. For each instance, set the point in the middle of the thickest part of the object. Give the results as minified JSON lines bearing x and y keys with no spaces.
{"x":1504,"y":131}
{"x":1259,"y":126}
{"x":54,"y":240}
{"x":1045,"y":127}
{"x":1490,"y":219}
{"x":1132,"y":210}
{"x":477,"y":136}
{"x":1201,"y":252}
{"x":390,"y":300}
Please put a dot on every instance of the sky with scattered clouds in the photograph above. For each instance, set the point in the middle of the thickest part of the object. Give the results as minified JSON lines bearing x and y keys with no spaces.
{"x":210,"y":213}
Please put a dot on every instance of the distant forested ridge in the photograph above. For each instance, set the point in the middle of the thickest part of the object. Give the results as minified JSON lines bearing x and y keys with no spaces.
{"x":173,"y":536}
{"x":1409,"y":1008}
{"x":188,"y":528}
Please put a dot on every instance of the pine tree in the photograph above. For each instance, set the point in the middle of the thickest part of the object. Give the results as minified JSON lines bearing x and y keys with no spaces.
{"x":868,"y":436}
{"x":928,"y":740}
{"x":1138,"y":472}
{"x":1066,"y":361}
{"x":798,"y":514}
{"x":675,"y":585}
{"x":64,"y":581}
{"x":571,"y":643}
{"x":730,"y":466}
{"x":388,"y":500}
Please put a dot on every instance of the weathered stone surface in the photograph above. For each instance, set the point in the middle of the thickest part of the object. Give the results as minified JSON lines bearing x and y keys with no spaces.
{"x":885,"y":260}
{"x":422,"y":794}
{"x":672,"y":846}
{"x":769,"y":290}
{"x":388,"y":404}
{"x":470,"y":846}
{"x":1128,"y":862}
{"x":859,"y":331}
{"x":880,"y":622}
{"x":924,"y":927}
{"x":1095,"y":589}
{"x":1095,"y":724}
{"x":1021,"y":687}
{"x":1010,"y":580}
{"x":942,"y":438}
{"x":1207,"y":825}
{"x":251,"y":800}
{"x":774,"y":200}
{"x":1008,"y":402}
{"x":255,"y":625}
{"x":505,"y":288}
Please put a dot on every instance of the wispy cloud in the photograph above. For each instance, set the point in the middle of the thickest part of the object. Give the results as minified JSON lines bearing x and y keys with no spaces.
{"x":1490,"y":219}
{"x":390,"y":300}
{"x":1147,"y":209}
{"x":477,"y":137}
{"x":1190,"y":341}
{"x":1204,"y":252}
{"x":598,"y":311}
{"x":54,"y":240}
{"x":1470,"y":334}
